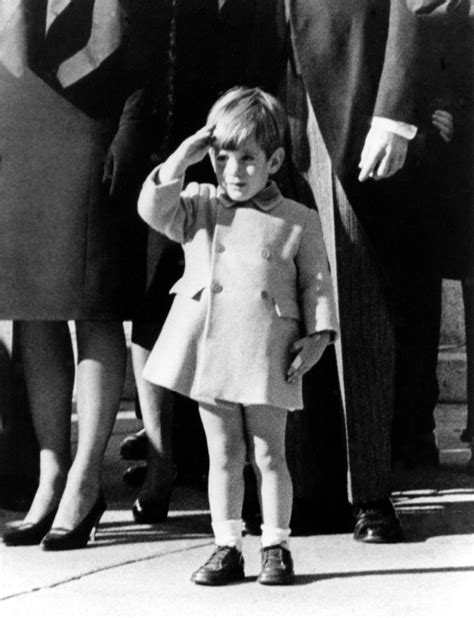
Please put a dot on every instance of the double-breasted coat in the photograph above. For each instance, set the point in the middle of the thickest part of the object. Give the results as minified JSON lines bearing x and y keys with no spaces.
{"x":256,"y":279}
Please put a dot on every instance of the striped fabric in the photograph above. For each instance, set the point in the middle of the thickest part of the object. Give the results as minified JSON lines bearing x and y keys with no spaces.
{"x":61,"y":39}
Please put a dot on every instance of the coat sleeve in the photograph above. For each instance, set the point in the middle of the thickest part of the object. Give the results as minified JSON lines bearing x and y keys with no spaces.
{"x":315,"y":288}
{"x":402,"y":68}
{"x":168,"y":209}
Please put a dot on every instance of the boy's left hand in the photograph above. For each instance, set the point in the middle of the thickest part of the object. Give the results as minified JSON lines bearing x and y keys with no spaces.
{"x":310,"y":349}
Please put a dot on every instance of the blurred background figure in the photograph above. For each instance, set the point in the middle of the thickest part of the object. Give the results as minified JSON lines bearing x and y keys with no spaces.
{"x":449,"y":25}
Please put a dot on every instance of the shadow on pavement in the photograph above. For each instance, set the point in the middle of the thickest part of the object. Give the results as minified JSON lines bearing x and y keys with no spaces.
{"x":309,"y":579}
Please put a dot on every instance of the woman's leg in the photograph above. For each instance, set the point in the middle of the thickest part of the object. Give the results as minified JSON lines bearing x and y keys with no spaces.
{"x":266,"y":428}
{"x":49,"y":374}
{"x":100,"y":377}
{"x":156,"y":404}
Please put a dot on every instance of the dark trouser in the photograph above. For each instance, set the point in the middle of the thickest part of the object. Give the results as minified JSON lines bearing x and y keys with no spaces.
{"x":388,"y":304}
{"x":396,"y":216}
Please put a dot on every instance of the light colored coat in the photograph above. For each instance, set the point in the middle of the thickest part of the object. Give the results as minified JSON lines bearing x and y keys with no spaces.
{"x":256,"y":279}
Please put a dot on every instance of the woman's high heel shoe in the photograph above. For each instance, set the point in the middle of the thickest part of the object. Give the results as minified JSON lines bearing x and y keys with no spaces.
{"x":134,"y":476}
{"x":59,"y":539}
{"x":151,"y":511}
{"x":29,"y":533}
{"x":154,"y":510}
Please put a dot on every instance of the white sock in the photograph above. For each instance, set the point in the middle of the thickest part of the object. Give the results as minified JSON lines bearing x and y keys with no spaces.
{"x":228,"y":532}
{"x":275,"y":536}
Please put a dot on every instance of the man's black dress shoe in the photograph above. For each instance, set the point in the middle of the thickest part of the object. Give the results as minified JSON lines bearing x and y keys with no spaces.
{"x":376,"y":522}
{"x":226,"y":565}
{"x":29,"y":533}
{"x":277,"y":567}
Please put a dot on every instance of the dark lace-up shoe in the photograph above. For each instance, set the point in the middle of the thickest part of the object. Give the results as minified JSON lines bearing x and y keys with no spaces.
{"x":277,"y":566}
{"x":226,"y":565}
{"x":377,"y":522}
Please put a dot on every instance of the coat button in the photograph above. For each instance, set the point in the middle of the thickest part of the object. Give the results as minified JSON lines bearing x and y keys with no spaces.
{"x":265,"y":295}
{"x":220,"y":248}
{"x":217,"y":288}
{"x":265,"y":254}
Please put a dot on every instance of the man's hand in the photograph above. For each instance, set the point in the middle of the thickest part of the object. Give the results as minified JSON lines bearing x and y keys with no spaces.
{"x":192,"y":150}
{"x":383,"y":154}
{"x":310,"y":349}
{"x":444,"y":122}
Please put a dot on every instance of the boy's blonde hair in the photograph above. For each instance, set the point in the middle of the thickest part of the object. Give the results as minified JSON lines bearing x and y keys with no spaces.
{"x":244,"y":112}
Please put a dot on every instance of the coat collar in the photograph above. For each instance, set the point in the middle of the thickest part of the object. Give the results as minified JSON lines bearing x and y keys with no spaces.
{"x":266,"y":199}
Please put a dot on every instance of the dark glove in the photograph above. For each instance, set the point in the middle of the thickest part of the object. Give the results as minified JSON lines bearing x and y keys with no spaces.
{"x":126,"y":162}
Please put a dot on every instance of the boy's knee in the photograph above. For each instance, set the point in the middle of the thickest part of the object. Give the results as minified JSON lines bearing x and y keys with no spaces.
{"x":266,"y":461}
{"x":229,"y":454}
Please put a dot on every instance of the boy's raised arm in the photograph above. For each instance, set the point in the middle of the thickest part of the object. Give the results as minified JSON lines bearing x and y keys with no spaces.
{"x":191,"y":151}
{"x":161,"y":203}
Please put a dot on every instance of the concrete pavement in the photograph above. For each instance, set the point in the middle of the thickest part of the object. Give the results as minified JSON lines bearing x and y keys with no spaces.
{"x":133,"y":570}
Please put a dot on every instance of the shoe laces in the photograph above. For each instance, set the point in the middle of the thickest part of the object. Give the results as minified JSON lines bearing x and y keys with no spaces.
{"x":219,"y":555}
{"x":273,"y":553}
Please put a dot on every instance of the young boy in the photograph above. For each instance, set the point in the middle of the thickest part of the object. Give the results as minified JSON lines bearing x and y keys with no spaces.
{"x":253,"y":312}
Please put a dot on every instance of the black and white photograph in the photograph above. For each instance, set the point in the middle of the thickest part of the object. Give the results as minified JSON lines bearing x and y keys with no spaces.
{"x":236,"y":308}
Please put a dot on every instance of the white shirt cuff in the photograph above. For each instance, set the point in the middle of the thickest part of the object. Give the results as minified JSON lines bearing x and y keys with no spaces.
{"x":408,"y":131}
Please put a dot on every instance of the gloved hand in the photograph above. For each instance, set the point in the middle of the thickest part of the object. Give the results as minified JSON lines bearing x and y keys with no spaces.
{"x":126,"y":160}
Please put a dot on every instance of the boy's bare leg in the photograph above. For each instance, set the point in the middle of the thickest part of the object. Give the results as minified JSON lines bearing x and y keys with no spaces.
{"x":224,"y":431}
{"x":266,"y":428}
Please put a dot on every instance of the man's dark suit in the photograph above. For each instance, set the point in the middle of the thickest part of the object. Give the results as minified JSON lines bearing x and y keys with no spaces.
{"x":357,"y":59}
